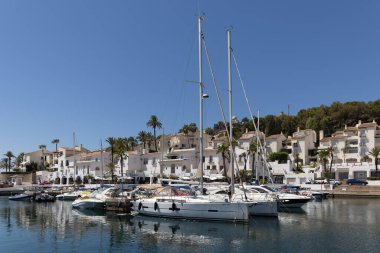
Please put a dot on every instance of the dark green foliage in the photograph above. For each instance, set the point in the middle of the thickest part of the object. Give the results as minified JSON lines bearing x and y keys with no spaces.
{"x":33,"y":166}
{"x":281,"y":157}
{"x":327,"y":118}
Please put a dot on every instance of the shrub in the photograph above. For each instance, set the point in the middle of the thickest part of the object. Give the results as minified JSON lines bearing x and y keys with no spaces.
{"x":373,"y":178}
{"x":281,"y":157}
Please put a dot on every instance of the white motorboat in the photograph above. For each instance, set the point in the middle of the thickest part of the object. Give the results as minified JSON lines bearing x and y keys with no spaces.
{"x":172,"y":203}
{"x":21,"y":196}
{"x":72,"y":195}
{"x":285,"y":200}
{"x":95,"y":200}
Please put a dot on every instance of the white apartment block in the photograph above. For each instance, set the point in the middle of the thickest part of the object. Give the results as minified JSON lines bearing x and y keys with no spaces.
{"x":351,"y":150}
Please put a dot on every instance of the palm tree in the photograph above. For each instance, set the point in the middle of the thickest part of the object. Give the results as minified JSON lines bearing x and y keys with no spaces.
{"x":19,"y":159}
{"x":55,"y":141}
{"x":375,"y":152}
{"x":42,"y":146}
{"x":132,"y":142}
{"x":331,"y":150}
{"x":149,"y":139}
{"x":225,"y":152}
{"x":121,"y":148}
{"x":252,"y":151}
{"x":323,"y":155}
{"x":9,"y":155}
{"x":4,"y":163}
{"x":111,"y":141}
{"x":142,"y":137}
{"x":244,"y":156}
{"x":154,"y":123}
{"x":111,"y":167}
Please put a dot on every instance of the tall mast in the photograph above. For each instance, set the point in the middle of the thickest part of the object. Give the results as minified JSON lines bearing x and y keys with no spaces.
{"x":75,"y":160}
{"x":200,"y":101}
{"x":101,"y":157}
{"x":230,"y":106}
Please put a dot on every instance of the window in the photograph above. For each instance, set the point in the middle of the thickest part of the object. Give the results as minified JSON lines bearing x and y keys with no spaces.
{"x":172,"y":168}
{"x":208,"y":167}
{"x":67,"y":162}
{"x":96,"y":159}
{"x":154,"y":161}
{"x":97,"y":168}
{"x":145,"y":161}
{"x":210,"y":159}
{"x":295,"y":145}
{"x":221,"y":167}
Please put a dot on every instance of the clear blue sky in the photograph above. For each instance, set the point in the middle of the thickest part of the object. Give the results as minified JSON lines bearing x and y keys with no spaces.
{"x":101,"y":68}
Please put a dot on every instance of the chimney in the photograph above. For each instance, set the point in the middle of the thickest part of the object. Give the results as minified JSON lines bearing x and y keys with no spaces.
{"x":246,"y":130}
{"x":321,"y":135}
{"x":345,"y":126}
{"x":360,"y":122}
{"x":298,"y":129}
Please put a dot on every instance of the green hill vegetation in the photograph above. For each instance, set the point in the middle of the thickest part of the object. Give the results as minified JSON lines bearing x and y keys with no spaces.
{"x":327,"y":118}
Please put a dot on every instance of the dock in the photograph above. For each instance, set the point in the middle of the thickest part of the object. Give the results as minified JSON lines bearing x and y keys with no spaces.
{"x":356,"y":191}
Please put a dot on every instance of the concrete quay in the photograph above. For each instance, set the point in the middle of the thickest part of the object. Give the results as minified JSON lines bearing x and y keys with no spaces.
{"x":356,"y":191}
{"x":11,"y":190}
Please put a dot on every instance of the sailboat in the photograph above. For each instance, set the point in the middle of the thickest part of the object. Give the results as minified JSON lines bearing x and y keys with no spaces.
{"x":173,"y":203}
{"x":256,"y":206}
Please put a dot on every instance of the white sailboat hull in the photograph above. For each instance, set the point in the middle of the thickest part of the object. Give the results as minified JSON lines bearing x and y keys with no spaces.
{"x":194,"y":209}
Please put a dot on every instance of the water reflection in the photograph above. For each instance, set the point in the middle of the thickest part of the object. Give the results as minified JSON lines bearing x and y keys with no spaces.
{"x":57,"y":226}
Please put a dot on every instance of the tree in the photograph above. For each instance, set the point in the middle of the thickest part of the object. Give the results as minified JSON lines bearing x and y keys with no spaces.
{"x":42,"y":146}
{"x":331,"y":153}
{"x":142,"y":137}
{"x":186,"y":129}
{"x":149,"y":139}
{"x":121,"y":148}
{"x":252,"y":151}
{"x":111,"y":142}
{"x":154,"y":123}
{"x":132,"y":142}
{"x":375,"y":152}
{"x":111,"y":167}
{"x":209,"y":131}
{"x":4,"y":163}
{"x":323,"y":155}
{"x":19,"y":159}
{"x":281,"y":157}
{"x":224,"y":151}
{"x":9,"y":155}
{"x":244,"y":156}
{"x":55,"y":141}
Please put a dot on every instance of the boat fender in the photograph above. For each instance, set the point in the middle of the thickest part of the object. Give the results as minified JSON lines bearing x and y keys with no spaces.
{"x":156,"y":206}
{"x":140,"y":205}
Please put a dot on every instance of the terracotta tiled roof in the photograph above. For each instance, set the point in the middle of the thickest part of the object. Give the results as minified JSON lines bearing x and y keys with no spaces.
{"x":365,"y":125}
{"x":275,"y":136}
{"x":349,"y":129}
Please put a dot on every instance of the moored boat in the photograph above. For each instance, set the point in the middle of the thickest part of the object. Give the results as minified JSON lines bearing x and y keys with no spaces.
{"x":21,"y":196}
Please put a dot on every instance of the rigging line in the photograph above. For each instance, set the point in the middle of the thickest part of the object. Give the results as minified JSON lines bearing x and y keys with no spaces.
{"x":220,"y":106}
{"x":251,"y":114}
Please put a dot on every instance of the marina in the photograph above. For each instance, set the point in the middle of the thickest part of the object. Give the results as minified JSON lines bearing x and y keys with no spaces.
{"x":332,"y":225}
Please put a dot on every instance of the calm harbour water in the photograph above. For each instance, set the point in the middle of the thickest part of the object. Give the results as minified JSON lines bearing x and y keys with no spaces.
{"x":334,"y":225}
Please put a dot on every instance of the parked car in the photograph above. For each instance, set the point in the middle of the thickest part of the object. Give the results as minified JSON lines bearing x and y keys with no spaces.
{"x":354,"y":181}
{"x":335,"y":181}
